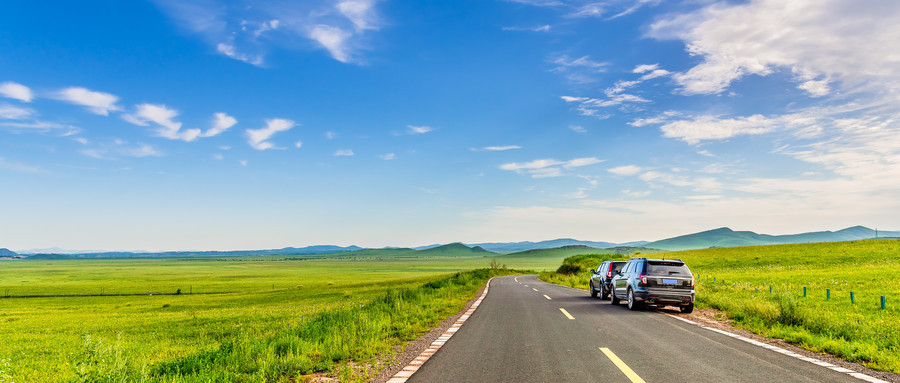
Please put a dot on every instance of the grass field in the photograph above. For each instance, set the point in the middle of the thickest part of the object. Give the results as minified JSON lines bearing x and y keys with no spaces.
{"x":284,"y":318}
{"x":859,"y":332}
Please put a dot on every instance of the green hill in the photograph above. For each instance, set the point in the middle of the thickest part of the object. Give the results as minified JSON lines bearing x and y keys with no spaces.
{"x":454,"y":250}
{"x":725,"y":237}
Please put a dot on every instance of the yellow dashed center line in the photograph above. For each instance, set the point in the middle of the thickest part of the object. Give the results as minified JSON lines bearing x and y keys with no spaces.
{"x":566,"y":313}
{"x":622,"y":366}
{"x":545,"y":296}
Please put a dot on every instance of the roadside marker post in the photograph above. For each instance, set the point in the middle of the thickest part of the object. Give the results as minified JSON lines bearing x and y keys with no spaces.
{"x":804,"y":291}
{"x":882,"y":302}
{"x":852,"y":298}
{"x":770,"y":289}
{"x":827,"y":293}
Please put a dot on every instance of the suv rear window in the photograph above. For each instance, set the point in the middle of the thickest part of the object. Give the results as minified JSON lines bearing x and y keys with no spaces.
{"x":668,"y":268}
{"x":617,"y":266}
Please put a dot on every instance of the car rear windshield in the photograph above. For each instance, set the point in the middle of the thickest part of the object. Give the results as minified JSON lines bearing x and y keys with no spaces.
{"x":617,"y":266}
{"x":668,"y":268}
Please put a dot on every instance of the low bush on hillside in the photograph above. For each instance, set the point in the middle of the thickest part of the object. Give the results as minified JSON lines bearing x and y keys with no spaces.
{"x":575,"y":271}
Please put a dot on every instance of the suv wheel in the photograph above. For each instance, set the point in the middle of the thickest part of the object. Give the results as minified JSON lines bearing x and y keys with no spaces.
{"x":615,"y":299}
{"x":632,"y":304}
{"x":593,"y":292}
{"x":687,"y":309}
{"x":604,"y":295}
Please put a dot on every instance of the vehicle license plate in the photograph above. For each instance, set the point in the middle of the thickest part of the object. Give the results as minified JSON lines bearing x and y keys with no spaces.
{"x":670,"y":281}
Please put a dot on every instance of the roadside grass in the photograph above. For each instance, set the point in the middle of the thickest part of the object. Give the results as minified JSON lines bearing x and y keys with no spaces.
{"x":736,"y":281}
{"x":287,"y":319}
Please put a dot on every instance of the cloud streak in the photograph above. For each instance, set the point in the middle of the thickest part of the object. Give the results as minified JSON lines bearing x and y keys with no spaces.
{"x":258,"y":138}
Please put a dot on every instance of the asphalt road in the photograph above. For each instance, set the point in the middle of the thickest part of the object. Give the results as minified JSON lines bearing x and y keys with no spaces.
{"x":518,"y":335}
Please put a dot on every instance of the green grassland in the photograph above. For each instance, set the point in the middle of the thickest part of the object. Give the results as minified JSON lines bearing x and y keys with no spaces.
{"x":737,"y":280}
{"x":275,"y":318}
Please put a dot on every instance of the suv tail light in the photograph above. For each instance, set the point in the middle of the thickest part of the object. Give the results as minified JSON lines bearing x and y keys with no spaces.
{"x":643,"y":280}
{"x":692,"y":281}
{"x":609,"y":272}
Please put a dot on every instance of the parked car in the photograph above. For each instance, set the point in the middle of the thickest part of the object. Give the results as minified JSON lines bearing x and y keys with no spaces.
{"x":601,"y":280}
{"x":659,"y":282}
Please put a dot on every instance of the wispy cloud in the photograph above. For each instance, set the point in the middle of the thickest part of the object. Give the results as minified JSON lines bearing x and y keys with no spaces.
{"x":163,"y":117}
{"x":258,"y":138}
{"x":580,"y":70}
{"x":411,"y":129}
{"x":10,"y":112}
{"x":548,"y":167}
{"x":387,"y":157}
{"x":118,"y":148}
{"x":96,"y":102}
{"x":246,"y":30}
{"x":221,"y":122}
{"x":626,"y":170}
{"x":343,"y":152}
{"x":496,"y":148}
{"x":17,"y":166}
{"x":16,"y":91}
{"x":577,"y":129}
{"x":298,"y":144}
{"x":539,"y":28}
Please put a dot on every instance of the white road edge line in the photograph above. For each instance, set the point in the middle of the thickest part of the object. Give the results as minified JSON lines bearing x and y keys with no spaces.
{"x":545,"y":296}
{"x":780,"y":350}
{"x":415,"y":364}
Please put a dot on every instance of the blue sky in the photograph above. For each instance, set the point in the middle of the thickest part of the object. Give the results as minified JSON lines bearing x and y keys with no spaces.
{"x":176,"y":125}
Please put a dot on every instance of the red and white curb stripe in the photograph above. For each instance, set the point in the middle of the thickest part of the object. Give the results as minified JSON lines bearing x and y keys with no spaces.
{"x":792,"y":354}
{"x":417,"y":363}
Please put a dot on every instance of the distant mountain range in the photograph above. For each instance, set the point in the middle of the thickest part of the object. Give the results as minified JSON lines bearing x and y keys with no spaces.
{"x":722,"y":237}
{"x":725,"y":237}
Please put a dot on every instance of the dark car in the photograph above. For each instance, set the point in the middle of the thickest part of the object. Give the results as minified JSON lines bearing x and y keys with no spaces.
{"x":659,"y":282}
{"x":601,"y":280}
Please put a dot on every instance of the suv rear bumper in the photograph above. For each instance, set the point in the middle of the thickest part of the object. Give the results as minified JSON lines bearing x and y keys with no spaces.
{"x":666,"y":297}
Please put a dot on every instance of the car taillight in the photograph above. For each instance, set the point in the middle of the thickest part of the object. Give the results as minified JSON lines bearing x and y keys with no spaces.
{"x":609,"y":272}
{"x":692,"y":282}
{"x":643,"y":279}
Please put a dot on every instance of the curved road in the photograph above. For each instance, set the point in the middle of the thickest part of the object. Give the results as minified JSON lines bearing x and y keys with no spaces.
{"x":519,"y":335}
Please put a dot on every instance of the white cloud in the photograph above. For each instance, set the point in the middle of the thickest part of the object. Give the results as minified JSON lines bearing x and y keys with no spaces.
{"x":540,"y":28}
{"x":247,"y":31}
{"x":17,"y":166}
{"x":10,"y":112}
{"x":580,"y":70}
{"x":343,"y":152}
{"x":218,"y":156}
{"x":163,"y":117}
{"x":713,"y":128}
{"x":81,"y":140}
{"x":548,"y":167}
{"x":577,"y":129}
{"x":243,"y":162}
{"x":334,"y":40}
{"x":221,"y":123}
{"x":842,"y":42}
{"x":588,"y":10}
{"x":258,"y":138}
{"x":16,"y":91}
{"x":229,"y":50}
{"x":654,"y":74}
{"x":96,"y":102}
{"x":387,"y":157}
{"x":626,"y":170}
{"x":140,"y":151}
{"x":330,"y":135}
{"x":298,"y":144}
{"x":645,"y":68}
{"x":418,"y":129}
{"x":360,"y":13}
{"x":496,"y":148}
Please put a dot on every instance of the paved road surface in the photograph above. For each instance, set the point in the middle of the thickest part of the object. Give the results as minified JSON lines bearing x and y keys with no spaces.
{"x":518,"y":335}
